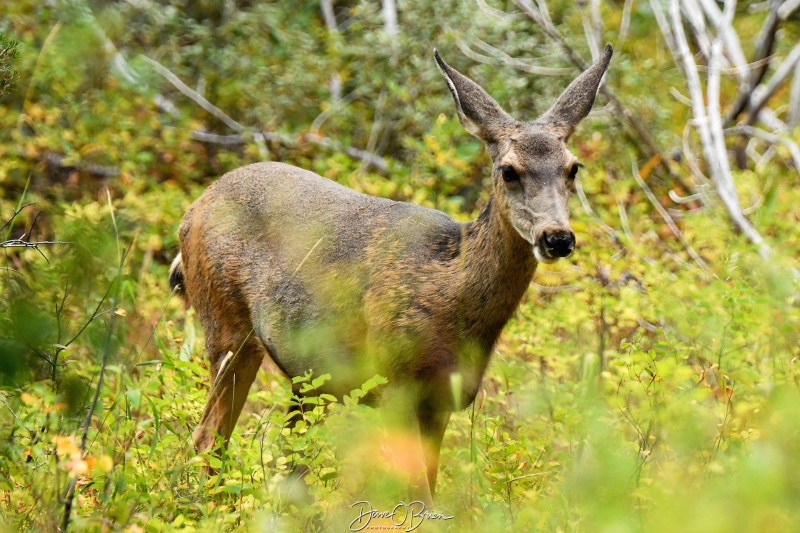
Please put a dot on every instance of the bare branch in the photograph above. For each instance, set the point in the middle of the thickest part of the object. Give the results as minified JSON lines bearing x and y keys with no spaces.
{"x":625,"y":24}
{"x":335,"y":83}
{"x":328,"y":15}
{"x":594,"y":31}
{"x":733,"y":47}
{"x":685,"y":60}
{"x":788,"y":7}
{"x":697,"y":23}
{"x":59,"y":162}
{"x":720,"y":155}
{"x":713,"y":146}
{"x":697,"y":197}
{"x":763,"y":93}
{"x":794,"y":100}
{"x":24,"y":240}
{"x":127,"y":73}
{"x":663,"y":25}
{"x":770,"y":138}
{"x":337,"y":105}
{"x":623,"y":214}
{"x":761,"y":59}
{"x":552,"y":289}
{"x":590,"y":212}
{"x":667,"y":218}
{"x":230,"y":141}
{"x":496,"y":13}
{"x":499,"y":55}
{"x":206,"y":105}
{"x":194,"y":95}
{"x":389,"y":17}
{"x":544,"y":11}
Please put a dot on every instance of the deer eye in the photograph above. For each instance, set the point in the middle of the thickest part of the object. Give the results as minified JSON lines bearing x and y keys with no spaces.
{"x":509,"y":174}
{"x":574,"y":171}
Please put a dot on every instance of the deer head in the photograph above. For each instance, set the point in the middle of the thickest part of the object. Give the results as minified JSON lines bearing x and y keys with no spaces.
{"x":533,"y":170}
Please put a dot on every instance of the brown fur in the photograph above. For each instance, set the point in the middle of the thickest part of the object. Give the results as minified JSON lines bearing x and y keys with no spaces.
{"x":278,"y":261}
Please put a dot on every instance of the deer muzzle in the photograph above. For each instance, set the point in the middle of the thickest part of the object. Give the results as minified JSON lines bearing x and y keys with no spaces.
{"x":553,"y":244}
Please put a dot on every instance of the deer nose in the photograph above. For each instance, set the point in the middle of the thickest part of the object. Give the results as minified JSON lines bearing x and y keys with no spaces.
{"x":558,"y":243}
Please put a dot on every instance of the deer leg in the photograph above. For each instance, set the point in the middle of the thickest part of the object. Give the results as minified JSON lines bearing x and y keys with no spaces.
{"x":233,"y":369}
{"x":404,"y":447}
{"x":432,"y":423}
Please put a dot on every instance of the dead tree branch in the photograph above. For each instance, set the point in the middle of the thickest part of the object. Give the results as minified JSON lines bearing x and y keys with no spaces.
{"x":770,"y":138}
{"x":24,"y":240}
{"x":709,"y":123}
{"x":667,"y":218}
{"x":194,"y":95}
{"x":762,"y":93}
{"x":335,"y":83}
{"x":230,"y":141}
{"x":500,"y":56}
{"x":260,"y":136}
{"x":794,"y":100}
{"x":59,"y":162}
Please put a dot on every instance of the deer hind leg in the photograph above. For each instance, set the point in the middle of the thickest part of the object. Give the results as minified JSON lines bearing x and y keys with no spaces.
{"x":234,"y":366}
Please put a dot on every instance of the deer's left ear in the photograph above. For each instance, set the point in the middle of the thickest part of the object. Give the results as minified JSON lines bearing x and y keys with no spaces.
{"x":576,"y":101}
{"x":478,"y":112}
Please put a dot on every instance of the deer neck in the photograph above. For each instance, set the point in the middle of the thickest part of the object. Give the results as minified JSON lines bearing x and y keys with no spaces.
{"x":498,"y":266}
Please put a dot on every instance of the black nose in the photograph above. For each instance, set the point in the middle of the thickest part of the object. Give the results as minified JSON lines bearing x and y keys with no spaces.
{"x":559,"y":243}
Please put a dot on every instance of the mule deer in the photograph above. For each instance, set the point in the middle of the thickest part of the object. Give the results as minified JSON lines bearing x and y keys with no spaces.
{"x":280,"y":262}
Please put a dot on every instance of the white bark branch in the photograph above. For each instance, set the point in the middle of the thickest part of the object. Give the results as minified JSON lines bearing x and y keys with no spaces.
{"x":714,"y":151}
{"x":794,"y":100}
{"x":499,"y":55}
{"x":194,"y":95}
{"x":389,"y":17}
{"x":763,"y":93}
{"x":625,"y":24}
{"x":787,"y":8}
{"x":770,"y":138}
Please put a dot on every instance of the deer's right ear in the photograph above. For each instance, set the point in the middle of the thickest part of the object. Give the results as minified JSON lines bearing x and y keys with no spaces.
{"x":478,"y":112}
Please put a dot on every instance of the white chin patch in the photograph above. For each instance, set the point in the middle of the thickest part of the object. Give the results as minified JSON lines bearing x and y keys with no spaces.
{"x":537,"y":253}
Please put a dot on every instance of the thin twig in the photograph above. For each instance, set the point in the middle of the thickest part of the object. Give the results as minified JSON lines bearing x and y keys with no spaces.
{"x":625,"y":24}
{"x":762,"y":93}
{"x":56,"y":161}
{"x":372,"y":160}
{"x":194,"y":95}
{"x":516,"y":63}
{"x":770,"y":138}
{"x":794,"y":100}
{"x":667,"y":218}
{"x":589,"y":211}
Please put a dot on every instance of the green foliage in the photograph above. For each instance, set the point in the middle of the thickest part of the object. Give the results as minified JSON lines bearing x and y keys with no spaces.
{"x":632,"y":392}
{"x":8,"y":53}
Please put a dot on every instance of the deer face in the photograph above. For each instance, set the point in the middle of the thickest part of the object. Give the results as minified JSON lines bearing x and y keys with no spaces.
{"x":533,"y":175}
{"x":533,"y":171}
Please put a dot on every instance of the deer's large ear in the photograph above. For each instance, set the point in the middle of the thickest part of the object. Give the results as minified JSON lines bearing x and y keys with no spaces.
{"x":576,"y":101}
{"x":477,"y":111}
